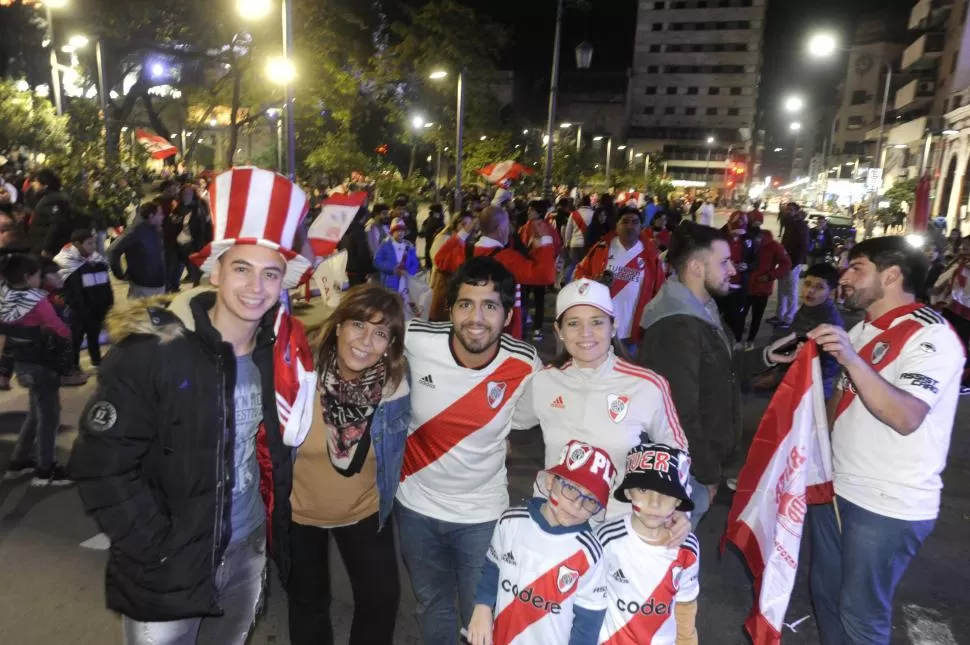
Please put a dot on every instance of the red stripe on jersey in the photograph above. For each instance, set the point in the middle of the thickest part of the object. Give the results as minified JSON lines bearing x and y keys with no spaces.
{"x":518,"y":615}
{"x":895,"y":338}
{"x":238,"y":198}
{"x":661,"y":384}
{"x":619,"y":284}
{"x":579,"y":221}
{"x":642,"y":627}
{"x":468,"y":414}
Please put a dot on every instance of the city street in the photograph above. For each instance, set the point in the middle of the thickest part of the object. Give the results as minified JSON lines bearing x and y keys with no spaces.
{"x":54,"y":582}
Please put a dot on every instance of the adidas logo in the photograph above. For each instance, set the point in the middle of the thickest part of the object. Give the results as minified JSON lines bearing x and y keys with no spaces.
{"x":427,"y":381}
{"x":619,"y":577}
{"x":508,"y":558}
{"x":558,"y":403}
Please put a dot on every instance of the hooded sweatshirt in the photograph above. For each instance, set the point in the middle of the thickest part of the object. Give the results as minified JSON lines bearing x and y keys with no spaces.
{"x":685,"y":341}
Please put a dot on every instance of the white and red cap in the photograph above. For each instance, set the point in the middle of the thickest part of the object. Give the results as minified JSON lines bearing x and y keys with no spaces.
{"x":584,"y":292}
{"x":585,"y":465}
{"x":255,"y":206}
{"x":397,"y":224}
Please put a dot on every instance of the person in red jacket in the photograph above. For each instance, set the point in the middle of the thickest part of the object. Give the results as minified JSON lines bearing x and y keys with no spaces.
{"x":536,"y":266}
{"x":771,"y":263}
{"x":537,"y":292}
{"x":631,"y":269}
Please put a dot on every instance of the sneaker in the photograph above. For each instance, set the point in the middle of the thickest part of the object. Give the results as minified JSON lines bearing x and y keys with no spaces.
{"x":17,"y":469}
{"x":55,"y":476}
{"x":537,"y":335}
{"x":772,"y":320}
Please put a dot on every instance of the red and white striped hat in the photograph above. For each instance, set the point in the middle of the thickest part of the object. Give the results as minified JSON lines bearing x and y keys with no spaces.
{"x":255,"y":206}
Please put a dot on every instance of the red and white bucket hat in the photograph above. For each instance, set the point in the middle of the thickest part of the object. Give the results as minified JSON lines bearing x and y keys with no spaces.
{"x":255,"y":206}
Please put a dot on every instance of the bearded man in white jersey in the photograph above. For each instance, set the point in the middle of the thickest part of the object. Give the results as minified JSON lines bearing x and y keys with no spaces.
{"x":467,"y":377}
{"x":891,"y":418}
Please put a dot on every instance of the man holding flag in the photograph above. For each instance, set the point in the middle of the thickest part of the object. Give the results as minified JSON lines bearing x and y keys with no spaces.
{"x":891,"y":418}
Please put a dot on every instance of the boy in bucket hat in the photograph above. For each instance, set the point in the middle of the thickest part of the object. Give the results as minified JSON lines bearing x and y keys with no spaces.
{"x":182,"y":455}
{"x":542,"y":580}
{"x":651,"y":588}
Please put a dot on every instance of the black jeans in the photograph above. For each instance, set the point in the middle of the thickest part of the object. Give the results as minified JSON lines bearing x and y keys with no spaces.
{"x":81,"y":327}
{"x":538,"y":297}
{"x":173,"y":270}
{"x":371,"y":561}
{"x":757,"y":305}
{"x":6,"y":364}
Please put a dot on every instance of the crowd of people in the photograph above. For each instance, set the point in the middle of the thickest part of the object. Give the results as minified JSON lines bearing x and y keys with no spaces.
{"x":394,"y":424}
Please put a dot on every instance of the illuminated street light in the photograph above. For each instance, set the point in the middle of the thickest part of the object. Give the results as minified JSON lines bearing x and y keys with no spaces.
{"x":438,"y":74}
{"x":68,"y":49}
{"x":710,"y":141}
{"x":280,"y":70}
{"x":566,"y":125}
{"x":78,"y":41}
{"x":157,"y":70}
{"x":638,"y":155}
{"x":822,"y":45}
{"x":56,"y":4}
{"x":598,"y":137}
{"x":482,"y":138}
{"x":417,"y":121}
{"x":795,"y":127}
{"x":254,"y":9}
{"x":778,"y":149}
{"x":22,"y":85}
{"x":794,"y":104}
{"x":213,"y":122}
{"x":621,"y":147}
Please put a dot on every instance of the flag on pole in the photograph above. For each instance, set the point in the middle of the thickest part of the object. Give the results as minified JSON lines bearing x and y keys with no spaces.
{"x":498,"y":172}
{"x":333,"y":221}
{"x":789,"y":466}
{"x":158,"y":147}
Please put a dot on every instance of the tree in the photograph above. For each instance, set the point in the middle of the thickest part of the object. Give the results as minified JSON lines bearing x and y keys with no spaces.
{"x":904,"y":190}
{"x":337,"y":156}
{"x":30,"y":121}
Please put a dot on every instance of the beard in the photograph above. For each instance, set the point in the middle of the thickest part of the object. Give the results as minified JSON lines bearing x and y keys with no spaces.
{"x":862,"y":297}
{"x":717,"y":289}
{"x":474,"y":345}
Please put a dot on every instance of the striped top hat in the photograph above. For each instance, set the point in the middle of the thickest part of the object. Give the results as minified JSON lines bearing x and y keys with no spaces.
{"x":255,"y":206}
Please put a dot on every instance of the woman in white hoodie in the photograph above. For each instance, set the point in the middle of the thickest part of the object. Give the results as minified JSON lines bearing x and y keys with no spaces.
{"x":591,"y":394}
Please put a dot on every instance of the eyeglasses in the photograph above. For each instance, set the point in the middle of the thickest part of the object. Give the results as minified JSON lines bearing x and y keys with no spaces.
{"x":573,"y":494}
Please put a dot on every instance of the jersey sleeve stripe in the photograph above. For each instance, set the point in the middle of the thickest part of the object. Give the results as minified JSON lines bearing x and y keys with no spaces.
{"x":924,"y":317}
{"x":670,"y":409}
{"x":591,"y":545}
{"x":517,"y":347}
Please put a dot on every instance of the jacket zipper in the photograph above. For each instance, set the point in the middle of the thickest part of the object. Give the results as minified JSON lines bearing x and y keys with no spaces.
{"x":220,"y":467}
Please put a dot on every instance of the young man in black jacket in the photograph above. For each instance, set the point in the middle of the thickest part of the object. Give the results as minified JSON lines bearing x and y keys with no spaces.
{"x":144,"y":253}
{"x":685,"y":340}
{"x":87,"y":292}
{"x":180,"y":455}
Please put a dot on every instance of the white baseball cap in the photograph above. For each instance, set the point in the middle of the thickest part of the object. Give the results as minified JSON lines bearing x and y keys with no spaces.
{"x":584,"y":292}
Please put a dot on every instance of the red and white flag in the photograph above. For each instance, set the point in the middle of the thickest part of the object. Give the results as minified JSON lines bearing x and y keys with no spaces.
{"x":333,"y":221}
{"x":508,"y":169}
{"x":158,"y":147}
{"x":789,"y":466}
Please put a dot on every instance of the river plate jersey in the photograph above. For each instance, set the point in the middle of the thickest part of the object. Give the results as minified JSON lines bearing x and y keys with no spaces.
{"x":643,"y":583}
{"x":454,"y":458}
{"x":542,"y":576}
{"x":874,"y":466}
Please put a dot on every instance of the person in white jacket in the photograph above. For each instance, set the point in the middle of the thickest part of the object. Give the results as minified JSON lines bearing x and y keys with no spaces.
{"x":590,"y":394}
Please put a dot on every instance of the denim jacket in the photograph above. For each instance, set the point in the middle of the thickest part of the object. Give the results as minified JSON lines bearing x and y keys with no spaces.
{"x":389,"y":429}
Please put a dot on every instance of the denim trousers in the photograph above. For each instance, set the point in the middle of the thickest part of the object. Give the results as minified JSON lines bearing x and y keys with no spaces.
{"x":444,"y":560}
{"x":854,"y":573}
{"x":240,"y":581}
{"x":38,"y":434}
{"x":702,"y":502}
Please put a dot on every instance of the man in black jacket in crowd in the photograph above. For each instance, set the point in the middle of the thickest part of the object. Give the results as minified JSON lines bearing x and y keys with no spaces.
{"x":144,"y":253}
{"x":180,"y":455}
{"x":87,"y":292}
{"x":52,"y":222}
{"x":685,"y":340}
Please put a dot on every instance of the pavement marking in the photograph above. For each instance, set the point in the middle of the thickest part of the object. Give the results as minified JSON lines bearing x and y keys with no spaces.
{"x":927,"y":626}
{"x":99,"y":542}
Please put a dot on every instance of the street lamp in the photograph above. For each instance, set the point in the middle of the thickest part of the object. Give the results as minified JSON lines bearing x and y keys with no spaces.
{"x":437,"y":75}
{"x":794,"y":104}
{"x":257,"y":10}
{"x":78,"y":41}
{"x":822,"y":45}
{"x":280,"y":70}
{"x":417,"y":122}
{"x":795,"y":126}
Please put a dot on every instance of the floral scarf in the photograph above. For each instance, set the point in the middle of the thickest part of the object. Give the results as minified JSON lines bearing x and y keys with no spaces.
{"x":348,"y":408}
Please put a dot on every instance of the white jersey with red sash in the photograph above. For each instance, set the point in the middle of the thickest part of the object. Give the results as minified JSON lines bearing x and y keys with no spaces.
{"x":579,"y":221}
{"x":627,"y":267}
{"x":541,"y":577}
{"x":454,"y":458}
{"x":643,"y":583}
{"x":875,"y":467}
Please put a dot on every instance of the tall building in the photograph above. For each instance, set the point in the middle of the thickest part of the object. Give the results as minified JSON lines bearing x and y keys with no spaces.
{"x":694,"y":86}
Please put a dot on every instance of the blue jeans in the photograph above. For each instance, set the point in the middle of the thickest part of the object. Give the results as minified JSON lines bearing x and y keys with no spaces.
{"x":702,"y":502}
{"x":444,"y":560}
{"x":854,"y":574}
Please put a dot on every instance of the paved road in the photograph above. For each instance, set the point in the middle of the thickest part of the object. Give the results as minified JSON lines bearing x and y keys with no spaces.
{"x":52,"y":588}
